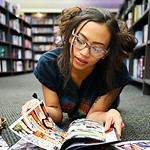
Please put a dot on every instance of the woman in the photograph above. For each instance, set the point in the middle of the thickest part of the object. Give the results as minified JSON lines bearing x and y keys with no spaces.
{"x":85,"y":76}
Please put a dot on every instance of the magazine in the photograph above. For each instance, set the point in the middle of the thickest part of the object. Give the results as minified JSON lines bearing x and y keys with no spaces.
{"x":37,"y":127}
{"x":133,"y":145}
{"x":24,"y":145}
{"x":3,"y":144}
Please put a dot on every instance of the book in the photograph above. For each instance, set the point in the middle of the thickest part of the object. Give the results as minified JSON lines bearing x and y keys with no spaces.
{"x":133,"y":145}
{"x":37,"y":127}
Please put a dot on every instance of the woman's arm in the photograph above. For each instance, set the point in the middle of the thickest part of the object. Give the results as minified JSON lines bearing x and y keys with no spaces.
{"x":52,"y":103}
{"x":53,"y":106}
{"x":100,"y":111}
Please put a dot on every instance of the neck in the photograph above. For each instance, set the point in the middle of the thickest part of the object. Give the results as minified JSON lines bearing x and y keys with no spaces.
{"x":79,"y":75}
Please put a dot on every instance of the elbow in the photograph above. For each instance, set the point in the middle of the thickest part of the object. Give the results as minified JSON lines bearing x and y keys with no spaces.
{"x":58,"y":119}
{"x":56,"y":114}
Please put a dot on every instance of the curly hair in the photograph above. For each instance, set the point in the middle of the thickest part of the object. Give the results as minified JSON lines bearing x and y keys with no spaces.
{"x":122,"y":42}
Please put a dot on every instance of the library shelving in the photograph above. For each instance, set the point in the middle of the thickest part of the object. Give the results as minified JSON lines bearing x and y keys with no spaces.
{"x":16,"y":54}
{"x":44,"y":26}
{"x":136,"y":13}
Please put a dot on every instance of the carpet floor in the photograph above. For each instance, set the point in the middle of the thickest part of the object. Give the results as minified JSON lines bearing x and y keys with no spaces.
{"x":16,"y":90}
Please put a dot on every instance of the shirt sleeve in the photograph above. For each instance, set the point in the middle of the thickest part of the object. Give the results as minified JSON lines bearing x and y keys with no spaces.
{"x":120,"y":79}
{"x":46,"y":72}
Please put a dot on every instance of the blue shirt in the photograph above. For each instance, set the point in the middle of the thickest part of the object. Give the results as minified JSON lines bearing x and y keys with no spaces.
{"x":74,"y":100}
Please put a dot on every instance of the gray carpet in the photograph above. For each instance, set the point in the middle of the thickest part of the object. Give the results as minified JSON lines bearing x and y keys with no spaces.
{"x":16,"y":90}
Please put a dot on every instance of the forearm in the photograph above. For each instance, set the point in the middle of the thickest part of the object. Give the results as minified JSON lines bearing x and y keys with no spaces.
{"x":97,"y":116}
{"x":55,"y":113}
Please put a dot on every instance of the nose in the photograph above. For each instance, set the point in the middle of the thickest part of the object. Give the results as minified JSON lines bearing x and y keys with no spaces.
{"x":85,"y":51}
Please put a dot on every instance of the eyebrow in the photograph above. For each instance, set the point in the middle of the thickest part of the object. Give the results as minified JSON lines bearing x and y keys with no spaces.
{"x":92,"y":42}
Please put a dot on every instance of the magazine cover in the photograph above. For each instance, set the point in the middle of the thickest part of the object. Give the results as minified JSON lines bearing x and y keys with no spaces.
{"x":37,"y":127}
{"x":133,"y":145}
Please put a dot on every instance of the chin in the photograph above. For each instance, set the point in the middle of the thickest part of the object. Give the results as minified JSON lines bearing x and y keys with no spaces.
{"x":79,"y":67}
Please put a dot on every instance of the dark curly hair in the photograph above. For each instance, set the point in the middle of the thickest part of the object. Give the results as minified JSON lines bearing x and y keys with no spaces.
{"x":122,"y":42}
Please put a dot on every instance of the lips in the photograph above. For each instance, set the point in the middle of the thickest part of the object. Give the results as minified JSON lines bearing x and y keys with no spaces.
{"x":80,"y":61}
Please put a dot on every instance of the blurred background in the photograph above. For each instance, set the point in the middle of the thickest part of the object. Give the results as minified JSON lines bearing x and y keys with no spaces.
{"x":28,"y":28}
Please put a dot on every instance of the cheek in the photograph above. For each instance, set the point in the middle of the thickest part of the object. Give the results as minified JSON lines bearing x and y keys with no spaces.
{"x":74,"y":51}
{"x":95,"y":60}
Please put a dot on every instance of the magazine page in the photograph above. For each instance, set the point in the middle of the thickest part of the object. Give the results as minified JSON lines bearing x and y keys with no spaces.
{"x":133,"y":145}
{"x":84,"y":128}
{"x":84,"y":132}
{"x":112,"y":136}
{"x":24,"y":145}
{"x":37,"y":127}
{"x":3,"y":144}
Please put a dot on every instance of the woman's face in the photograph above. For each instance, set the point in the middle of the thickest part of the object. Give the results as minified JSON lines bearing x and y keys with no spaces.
{"x":95,"y":36}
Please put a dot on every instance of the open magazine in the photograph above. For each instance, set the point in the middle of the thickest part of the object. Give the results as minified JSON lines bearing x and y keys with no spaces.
{"x":37,"y":127}
{"x":24,"y":145}
{"x":133,"y":145}
{"x":3,"y":144}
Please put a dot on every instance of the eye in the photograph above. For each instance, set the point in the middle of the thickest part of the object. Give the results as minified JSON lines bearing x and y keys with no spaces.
{"x":97,"y":49}
{"x":79,"y":41}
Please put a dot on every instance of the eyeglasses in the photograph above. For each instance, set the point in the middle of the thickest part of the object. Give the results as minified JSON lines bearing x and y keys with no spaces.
{"x":95,"y":50}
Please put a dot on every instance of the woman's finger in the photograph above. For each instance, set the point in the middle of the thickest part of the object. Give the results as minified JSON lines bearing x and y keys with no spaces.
{"x":28,"y":105}
{"x":118,"y":128}
{"x":108,"y":123}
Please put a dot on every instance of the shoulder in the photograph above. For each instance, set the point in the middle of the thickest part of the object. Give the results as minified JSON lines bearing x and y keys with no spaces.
{"x":47,"y":71}
{"x":122,"y":76}
{"x":51,"y":55}
{"x":48,"y":61}
{"x":123,"y":69}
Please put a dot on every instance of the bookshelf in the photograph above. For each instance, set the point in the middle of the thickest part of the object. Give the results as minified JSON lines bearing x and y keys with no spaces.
{"x":136,"y":13}
{"x":16,"y":54}
{"x":44,"y":26}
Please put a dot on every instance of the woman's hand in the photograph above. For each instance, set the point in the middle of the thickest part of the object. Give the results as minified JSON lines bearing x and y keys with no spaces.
{"x":28,"y":105}
{"x":113,"y":118}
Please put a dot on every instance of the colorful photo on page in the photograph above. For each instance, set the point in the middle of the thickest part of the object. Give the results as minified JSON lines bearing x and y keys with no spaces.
{"x":3,"y":144}
{"x":38,"y":128}
{"x":24,"y":145}
{"x":133,"y":145}
{"x":45,"y":120}
{"x":86,"y":128}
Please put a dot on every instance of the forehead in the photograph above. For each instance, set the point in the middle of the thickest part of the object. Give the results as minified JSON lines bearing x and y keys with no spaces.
{"x":95,"y":32}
